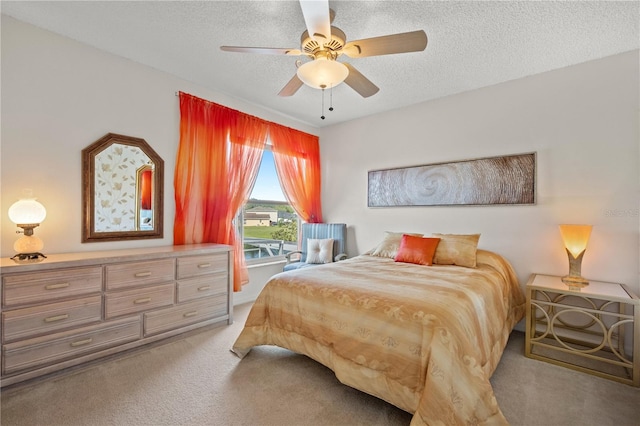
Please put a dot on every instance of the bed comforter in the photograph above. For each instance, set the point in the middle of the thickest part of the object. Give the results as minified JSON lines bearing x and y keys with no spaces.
{"x":423,"y":338}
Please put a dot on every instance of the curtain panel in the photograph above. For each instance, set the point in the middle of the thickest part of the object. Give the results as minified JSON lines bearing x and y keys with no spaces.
{"x":217,"y":163}
{"x":297,"y":158}
{"x":216,"y":166}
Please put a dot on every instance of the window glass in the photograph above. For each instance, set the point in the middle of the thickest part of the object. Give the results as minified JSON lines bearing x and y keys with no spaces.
{"x":268,"y":224}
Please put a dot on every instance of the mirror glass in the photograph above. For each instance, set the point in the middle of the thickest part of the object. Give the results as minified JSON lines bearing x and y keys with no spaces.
{"x":123,"y":181}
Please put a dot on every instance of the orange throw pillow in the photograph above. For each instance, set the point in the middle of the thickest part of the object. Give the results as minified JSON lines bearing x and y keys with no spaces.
{"x":417,"y":250}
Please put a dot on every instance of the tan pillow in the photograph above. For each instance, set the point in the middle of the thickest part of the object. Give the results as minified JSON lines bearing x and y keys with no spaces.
{"x":456,"y":249}
{"x":320,"y":251}
{"x":390,"y":244}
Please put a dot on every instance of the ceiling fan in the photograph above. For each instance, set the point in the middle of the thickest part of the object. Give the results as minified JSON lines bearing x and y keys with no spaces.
{"x":324,"y":44}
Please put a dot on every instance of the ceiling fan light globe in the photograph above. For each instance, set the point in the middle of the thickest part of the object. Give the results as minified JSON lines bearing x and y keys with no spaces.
{"x":322,"y":73}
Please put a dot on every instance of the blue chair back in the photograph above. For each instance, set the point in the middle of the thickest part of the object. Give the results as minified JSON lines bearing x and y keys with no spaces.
{"x":321,"y":231}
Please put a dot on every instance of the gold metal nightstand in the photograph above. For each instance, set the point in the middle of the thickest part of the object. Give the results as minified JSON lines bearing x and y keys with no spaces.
{"x":585,"y":329}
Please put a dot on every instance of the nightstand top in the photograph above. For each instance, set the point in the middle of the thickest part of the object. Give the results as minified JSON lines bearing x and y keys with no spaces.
{"x":595,"y":289}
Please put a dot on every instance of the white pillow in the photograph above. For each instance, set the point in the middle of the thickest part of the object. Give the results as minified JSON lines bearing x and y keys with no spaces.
{"x":320,"y":251}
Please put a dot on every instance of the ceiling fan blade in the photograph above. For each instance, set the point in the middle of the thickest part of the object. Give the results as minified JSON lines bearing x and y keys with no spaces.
{"x":413,"y":41}
{"x":262,"y":50}
{"x":317,"y":19}
{"x":291,"y":87}
{"x":360,"y":83}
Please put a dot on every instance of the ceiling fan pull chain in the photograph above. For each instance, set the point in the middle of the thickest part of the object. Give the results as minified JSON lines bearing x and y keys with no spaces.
{"x":322,"y":116}
{"x":331,"y":98}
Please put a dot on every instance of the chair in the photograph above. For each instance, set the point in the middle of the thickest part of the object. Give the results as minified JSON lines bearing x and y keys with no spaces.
{"x":320,"y":231}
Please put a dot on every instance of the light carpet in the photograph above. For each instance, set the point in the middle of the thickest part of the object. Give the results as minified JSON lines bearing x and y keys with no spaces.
{"x":196,"y":380}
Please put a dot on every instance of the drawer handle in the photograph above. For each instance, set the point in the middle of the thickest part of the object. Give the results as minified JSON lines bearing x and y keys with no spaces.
{"x":81,"y":342}
{"x":56,"y":286}
{"x":142,"y":274}
{"x":190,"y":314}
{"x":142,"y":300}
{"x":56,"y":318}
{"x":204,"y":288}
{"x":204,"y":265}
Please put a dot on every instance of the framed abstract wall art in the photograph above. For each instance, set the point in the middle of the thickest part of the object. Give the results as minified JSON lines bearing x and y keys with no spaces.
{"x":508,"y":180}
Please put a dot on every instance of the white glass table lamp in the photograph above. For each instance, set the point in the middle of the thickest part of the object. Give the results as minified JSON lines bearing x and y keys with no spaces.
{"x":27,"y":214}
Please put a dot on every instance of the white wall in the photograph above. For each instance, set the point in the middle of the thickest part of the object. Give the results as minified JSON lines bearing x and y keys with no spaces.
{"x":583,"y":122}
{"x":59,"y":96}
{"x":258,"y":277}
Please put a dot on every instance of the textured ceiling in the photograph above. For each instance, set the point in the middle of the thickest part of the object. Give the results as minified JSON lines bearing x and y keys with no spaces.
{"x":472,"y":44}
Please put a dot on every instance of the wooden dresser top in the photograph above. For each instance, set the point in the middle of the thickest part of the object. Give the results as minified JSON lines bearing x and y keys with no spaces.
{"x":65,"y":260}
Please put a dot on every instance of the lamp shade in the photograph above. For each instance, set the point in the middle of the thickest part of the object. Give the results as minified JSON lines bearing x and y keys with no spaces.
{"x":575,"y":237}
{"x":322,"y":73}
{"x":27,"y":211}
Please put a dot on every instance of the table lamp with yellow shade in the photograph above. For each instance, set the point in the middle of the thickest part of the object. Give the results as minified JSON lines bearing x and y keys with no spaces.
{"x":575,"y":239}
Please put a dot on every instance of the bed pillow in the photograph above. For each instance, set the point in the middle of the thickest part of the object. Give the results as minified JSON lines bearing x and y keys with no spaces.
{"x":455,"y":249}
{"x":417,"y":250}
{"x":320,"y":251}
{"x":389,"y":245}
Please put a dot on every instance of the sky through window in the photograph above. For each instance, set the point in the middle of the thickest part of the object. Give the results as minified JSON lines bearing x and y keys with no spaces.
{"x":267,"y":186}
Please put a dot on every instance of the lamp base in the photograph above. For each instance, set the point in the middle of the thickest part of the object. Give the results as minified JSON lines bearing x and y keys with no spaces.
{"x":575,"y":282}
{"x":28,"y":257}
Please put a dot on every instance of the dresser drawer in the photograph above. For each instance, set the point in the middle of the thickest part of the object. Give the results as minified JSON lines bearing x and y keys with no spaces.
{"x":58,"y":347}
{"x":185,"y":314}
{"x":138,"y":300}
{"x":208,"y":285}
{"x":29,"y":322}
{"x":37,"y":287}
{"x":193,"y":266}
{"x":139,"y":273}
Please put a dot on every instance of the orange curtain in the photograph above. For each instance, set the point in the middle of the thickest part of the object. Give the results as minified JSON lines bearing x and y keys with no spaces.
{"x":145,"y":190}
{"x":297,"y":158}
{"x":216,"y":166}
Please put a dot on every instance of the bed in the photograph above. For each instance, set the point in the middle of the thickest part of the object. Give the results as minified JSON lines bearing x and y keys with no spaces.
{"x":423,"y":338}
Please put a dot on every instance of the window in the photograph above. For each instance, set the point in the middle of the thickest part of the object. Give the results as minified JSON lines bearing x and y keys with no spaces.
{"x":267,"y":223}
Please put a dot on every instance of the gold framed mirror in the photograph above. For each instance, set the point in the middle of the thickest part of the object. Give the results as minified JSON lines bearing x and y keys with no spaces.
{"x":123,"y":181}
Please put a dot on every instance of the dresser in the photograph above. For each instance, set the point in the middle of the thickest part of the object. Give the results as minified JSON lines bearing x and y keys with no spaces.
{"x":77,"y":307}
